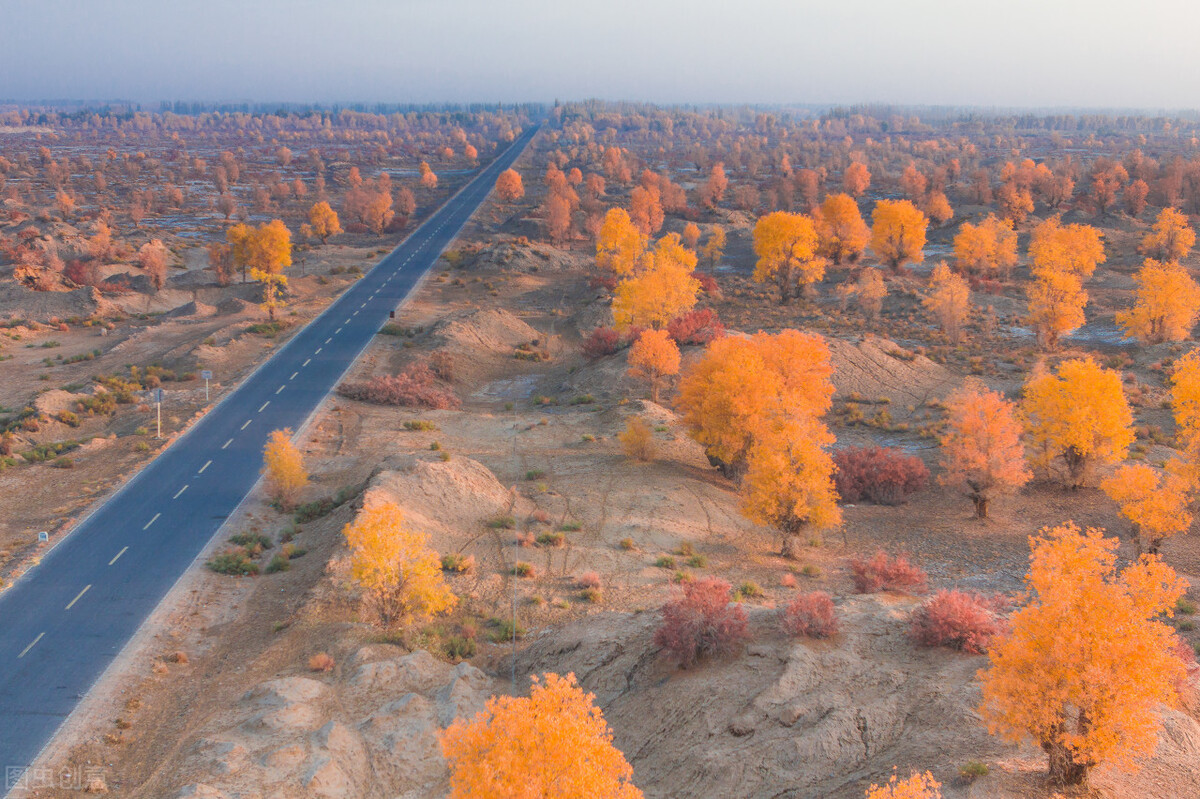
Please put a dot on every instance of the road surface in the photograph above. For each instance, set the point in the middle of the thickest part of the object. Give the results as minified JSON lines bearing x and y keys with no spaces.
{"x":66,"y":620}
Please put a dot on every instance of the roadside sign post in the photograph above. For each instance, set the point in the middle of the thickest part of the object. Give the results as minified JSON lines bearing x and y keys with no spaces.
{"x":158,"y":398}
{"x":207,"y":375}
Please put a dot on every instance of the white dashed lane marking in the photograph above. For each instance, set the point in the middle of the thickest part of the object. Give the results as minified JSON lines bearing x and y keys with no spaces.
{"x":264,"y":406}
{"x":247,"y":424}
{"x":279,"y":389}
{"x":293,"y":377}
{"x":118,"y":555}
{"x":25,"y":651}
{"x":152,"y":521}
{"x":205,"y":466}
{"x":306,"y":362}
{"x":179,"y":492}
{"x":227,"y":443}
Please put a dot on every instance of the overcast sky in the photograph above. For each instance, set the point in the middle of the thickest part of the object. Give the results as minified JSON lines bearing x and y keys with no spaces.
{"x":1078,"y":53}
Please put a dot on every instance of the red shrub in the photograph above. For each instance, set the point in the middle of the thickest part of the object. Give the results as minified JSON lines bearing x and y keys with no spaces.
{"x":957,"y":619}
{"x":81,"y":273}
{"x":603,"y":281}
{"x":810,"y":615}
{"x":882,"y":573}
{"x":600,"y":342}
{"x":701,"y":622}
{"x":696,"y":327}
{"x":881,"y":475}
{"x":357,"y":228}
{"x":118,"y":284}
{"x":415,"y":387}
{"x":708,"y":283}
{"x":589,"y":580}
{"x":986,"y":285}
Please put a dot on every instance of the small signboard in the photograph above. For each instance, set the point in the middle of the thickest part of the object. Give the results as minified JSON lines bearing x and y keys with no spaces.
{"x":206,"y":374}
{"x":43,"y":537}
{"x":158,"y":395}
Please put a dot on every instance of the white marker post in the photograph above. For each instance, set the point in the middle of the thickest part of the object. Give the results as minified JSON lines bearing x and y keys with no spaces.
{"x":158,"y":398}
{"x":206,"y":375}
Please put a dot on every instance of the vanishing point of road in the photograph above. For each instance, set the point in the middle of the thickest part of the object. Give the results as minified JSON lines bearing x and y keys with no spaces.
{"x":64,"y":621}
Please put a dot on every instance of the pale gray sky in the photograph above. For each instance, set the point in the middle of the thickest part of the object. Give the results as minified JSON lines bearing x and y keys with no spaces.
{"x":1136,"y":53}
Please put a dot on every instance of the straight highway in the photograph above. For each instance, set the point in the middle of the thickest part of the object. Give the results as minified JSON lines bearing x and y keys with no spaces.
{"x":66,"y":619}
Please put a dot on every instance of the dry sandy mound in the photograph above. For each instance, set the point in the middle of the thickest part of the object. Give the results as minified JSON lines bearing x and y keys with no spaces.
{"x":193,"y":309}
{"x":806,"y":718}
{"x":155,"y":302}
{"x":56,"y":401}
{"x":530,"y":257}
{"x":18,"y":302}
{"x":478,"y":331}
{"x":453,"y":495}
{"x":783,"y":719}
{"x":876,"y":367}
{"x":236,"y":305}
{"x":371,"y":734}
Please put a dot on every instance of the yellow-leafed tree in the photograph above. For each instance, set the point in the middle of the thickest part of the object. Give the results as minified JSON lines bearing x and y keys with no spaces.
{"x":981,"y":445}
{"x":266,"y":251}
{"x":1079,"y":415}
{"x":989,"y":248}
{"x":1171,"y":238}
{"x":789,"y":478}
{"x":652,"y":357}
{"x":1056,"y":303}
{"x":1167,"y":305}
{"x":786,"y":246}
{"x":714,"y":246}
{"x":1086,"y":662}
{"x":284,"y":475}
{"x":620,"y":245}
{"x":871,"y":292}
{"x":509,"y":187}
{"x":898,"y":233}
{"x":1185,"y":404}
{"x":917,"y":786}
{"x":1155,"y":503}
{"x":949,"y":300}
{"x":399,"y":575}
{"x":1076,"y":249}
{"x":324,"y":221}
{"x":554,"y":744}
{"x":856,"y":179}
{"x":741,"y":383}
{"x":660,"y":289}
{"x":840,"y":227}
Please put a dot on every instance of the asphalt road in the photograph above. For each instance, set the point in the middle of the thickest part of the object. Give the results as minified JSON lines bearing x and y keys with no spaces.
{"x":66,"y":620}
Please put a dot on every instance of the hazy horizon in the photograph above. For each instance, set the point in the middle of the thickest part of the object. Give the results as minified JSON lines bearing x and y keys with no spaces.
{"x":1028,"y":55}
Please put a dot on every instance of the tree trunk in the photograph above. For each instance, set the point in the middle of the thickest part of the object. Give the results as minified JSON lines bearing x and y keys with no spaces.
{"x":1063,"y":768}
{"x":981,"y":506}
{"x":1076,"y":465}
{"x":791,"y":546}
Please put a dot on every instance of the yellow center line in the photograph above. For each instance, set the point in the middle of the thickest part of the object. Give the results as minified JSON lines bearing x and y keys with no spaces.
{"x":80,"y":594}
